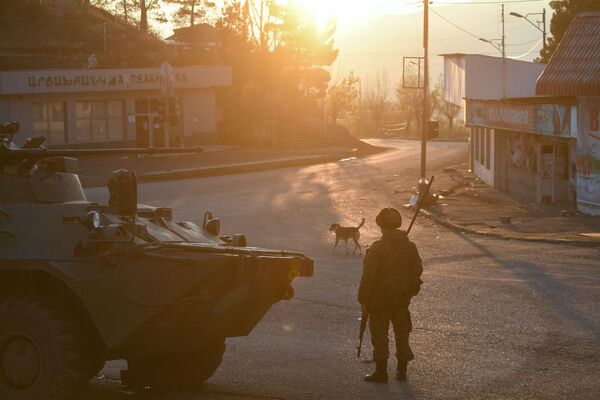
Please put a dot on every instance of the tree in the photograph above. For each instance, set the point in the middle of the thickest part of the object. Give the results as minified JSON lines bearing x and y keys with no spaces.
{"x":189,"y":12}
{"x":301,"y":44}
{"x":342,"y":96}
{"x":233,"y":23}
{"x":134,"y":11}
{"x":377,"y":97}
{"x":564,"y":12}
{"x":277,"y":53}
{"x":410,"y":103}
{"x":441,"y":106}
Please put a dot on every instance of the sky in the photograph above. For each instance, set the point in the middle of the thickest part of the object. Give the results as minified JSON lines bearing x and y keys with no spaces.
{"x":382,"y":40}
{"x":375,"y":35}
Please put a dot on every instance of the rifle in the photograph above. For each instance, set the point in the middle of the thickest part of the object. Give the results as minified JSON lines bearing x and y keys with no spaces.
{"x":420,"y":204}
{"x":365,"y":316}
{"x":361,"y":334}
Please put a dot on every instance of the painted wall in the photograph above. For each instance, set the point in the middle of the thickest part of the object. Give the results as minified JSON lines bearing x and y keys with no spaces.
{"x":588,"y":156}
{"x":544,"y":119}
{"x":518,"y":175}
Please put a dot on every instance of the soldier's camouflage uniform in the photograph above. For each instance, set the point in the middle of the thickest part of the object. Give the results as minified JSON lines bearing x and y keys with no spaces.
{"x":391,"y":276}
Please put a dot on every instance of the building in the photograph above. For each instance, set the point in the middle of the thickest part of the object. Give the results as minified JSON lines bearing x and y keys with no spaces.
{"x":200,"y":37}
{"x":574,"y":71}
{"x":114,"y":107}
{"x":520,"y":143}
{"x":475,"y":76}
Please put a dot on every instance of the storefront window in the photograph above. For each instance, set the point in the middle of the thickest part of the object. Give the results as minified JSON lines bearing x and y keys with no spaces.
{"x":476,"y":144}
{"x":99,"y":121}
{"x":488,"y":148}
{"x":49,"y":121}
{"x":482,"y":145}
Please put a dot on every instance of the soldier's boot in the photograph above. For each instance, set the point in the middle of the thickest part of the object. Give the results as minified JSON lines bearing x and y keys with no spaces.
{"x":380,"y":375}
{"x":401,"y":372}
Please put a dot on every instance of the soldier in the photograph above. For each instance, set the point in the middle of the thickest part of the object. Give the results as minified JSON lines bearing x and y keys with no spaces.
{"x":391,"y":277}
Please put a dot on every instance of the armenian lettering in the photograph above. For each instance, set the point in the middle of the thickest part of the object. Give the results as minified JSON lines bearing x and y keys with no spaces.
{"x":95,"y":80}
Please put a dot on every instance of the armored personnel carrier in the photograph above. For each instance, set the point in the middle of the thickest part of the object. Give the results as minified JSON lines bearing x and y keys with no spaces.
{"x":82,"y":282}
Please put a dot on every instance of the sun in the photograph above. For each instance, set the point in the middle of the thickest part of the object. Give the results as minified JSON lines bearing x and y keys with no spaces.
{"x":346,"y":12}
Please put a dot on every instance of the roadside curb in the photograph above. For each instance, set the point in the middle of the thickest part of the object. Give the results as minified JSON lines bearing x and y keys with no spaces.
{"x":463,"y":229}
{"x":248,"y":167}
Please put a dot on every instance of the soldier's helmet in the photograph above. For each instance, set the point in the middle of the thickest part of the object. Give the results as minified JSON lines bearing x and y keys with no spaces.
{"x":389,"y":218}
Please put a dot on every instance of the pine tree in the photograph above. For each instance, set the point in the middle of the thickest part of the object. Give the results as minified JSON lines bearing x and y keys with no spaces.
{"x":564,"y":12}
{"x":190,"y":12}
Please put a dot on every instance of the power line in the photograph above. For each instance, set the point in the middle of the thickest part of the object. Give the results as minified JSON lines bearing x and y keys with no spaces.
{"x":528,"y":52}
{"x":521,"y":44}
{"x":454,"y":25}
{"x":485,"y":2}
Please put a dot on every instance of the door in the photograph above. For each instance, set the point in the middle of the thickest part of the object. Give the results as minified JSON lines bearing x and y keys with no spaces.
{"x":142,"y":130}
{"x":546,"y":165}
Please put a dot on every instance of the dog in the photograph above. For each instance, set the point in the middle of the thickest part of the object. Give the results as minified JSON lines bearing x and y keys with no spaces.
{"x":346,"y":233}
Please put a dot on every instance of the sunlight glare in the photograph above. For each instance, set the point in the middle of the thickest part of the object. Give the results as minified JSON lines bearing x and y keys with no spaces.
{"x":347,"y":12}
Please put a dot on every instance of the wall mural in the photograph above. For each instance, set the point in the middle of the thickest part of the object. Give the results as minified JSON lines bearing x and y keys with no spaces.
{"x":588,"y":156}
{"x":544,"y":119}
{"x":522,"y":152}
{"x":554,"y":119}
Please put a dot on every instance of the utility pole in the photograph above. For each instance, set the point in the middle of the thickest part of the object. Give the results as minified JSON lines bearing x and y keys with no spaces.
{"x":425,"y":121}
{"x":503,"y":37}
{"x":544,"y":26}
{"x":360,"y":109}
{"x":503,"y":57}
{"x":537,"y":23}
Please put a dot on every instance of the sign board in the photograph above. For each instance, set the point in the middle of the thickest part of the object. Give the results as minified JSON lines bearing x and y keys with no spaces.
{"x":544,"y":119}
{"x":105,"y":80}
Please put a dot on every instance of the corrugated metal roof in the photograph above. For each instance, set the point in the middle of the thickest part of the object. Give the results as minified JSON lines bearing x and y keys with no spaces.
{"x":574,"y":69}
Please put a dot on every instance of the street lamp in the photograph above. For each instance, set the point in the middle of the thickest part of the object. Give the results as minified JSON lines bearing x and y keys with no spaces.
{"x":492,"y":42}
{"x":536,"y":24}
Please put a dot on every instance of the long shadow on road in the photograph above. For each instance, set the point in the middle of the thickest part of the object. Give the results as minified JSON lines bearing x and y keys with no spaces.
{"x":569,"y":356}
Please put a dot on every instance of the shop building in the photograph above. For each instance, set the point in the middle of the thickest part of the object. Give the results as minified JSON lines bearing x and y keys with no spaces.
{"x":115,"y":107}
{"x":520,"y":143}
{"x":525,"y":147}
{"x":574,"y":70}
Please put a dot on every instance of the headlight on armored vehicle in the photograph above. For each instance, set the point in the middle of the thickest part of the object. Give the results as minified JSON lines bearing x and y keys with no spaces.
{"x":92,"y":220}
{"x":211,"y":224}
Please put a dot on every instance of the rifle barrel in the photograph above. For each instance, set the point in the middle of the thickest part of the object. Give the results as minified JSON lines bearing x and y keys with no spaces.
{"x":361,"y":333}
{"x":420,"y":204}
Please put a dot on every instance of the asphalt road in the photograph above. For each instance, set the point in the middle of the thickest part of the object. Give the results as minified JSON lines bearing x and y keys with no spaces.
{"x":495,"y":319}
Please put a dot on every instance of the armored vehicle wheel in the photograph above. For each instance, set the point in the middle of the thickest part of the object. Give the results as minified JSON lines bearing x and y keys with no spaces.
{"x":40,"y":351}
{"x":177,"y":372}
{"x":93,"y":367}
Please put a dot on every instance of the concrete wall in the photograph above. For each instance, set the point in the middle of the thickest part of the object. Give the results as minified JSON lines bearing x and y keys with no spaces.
{"x":472,"y":76}
{"x":454,"y":79}
{"x":200,"y":122}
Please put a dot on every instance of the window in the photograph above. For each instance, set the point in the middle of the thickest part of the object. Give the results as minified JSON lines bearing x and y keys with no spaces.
{"x":482,"y":145}
{"x":476,"y":143}
{"x":488,"y":148}
{"x":49,"y":121}
{"x":99,"y":121}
